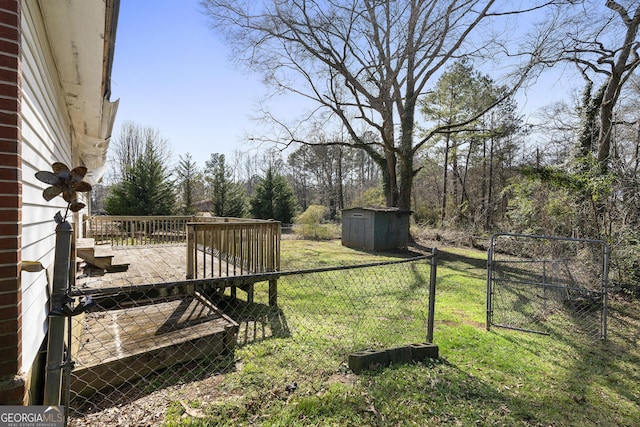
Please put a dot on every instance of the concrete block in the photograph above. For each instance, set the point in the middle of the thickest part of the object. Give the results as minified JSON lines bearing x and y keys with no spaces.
{"x":399,"y":355}
{"x":423,"y":351}
{"x":367,"y":360}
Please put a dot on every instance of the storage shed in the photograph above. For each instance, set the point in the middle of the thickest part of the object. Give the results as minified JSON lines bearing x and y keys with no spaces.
{"x":375,"y":229}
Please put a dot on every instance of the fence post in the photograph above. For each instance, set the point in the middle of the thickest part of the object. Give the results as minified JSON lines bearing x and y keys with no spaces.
{"x":605,"y":291}
{"x":489,"y":309}
{"x":432,"y":294}
{"x":55,"y":345}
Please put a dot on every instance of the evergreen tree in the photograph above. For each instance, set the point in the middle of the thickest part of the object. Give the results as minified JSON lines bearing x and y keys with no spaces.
{"x":458,"y":97}
{"x":227,"y":197}
{"x":189,"y":183}
{"x":146,"y":188}
{"x":274,"y":199}
{"x":464,"y":95}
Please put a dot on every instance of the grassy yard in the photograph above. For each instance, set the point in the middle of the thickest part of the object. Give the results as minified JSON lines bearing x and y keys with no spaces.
{"x":497,"y":377}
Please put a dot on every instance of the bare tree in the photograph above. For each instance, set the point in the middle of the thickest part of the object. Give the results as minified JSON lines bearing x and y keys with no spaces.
{"x":364,"y":63}
{"x":318,"y":167}
{"x":603,"y":43}
{"x":130,"y":144}
{"x":601,"y":39}
{"x":555,"y":125}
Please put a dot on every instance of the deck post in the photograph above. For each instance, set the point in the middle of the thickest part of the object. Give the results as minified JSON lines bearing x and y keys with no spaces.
{"x":250,"y":289}
{"x":273,"y":292}
{"x":55,"y":345}
{"x":190,"y":251}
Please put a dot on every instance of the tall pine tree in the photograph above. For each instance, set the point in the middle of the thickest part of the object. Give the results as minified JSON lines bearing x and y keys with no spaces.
{"x":274,"y":199}
{"x":227,"y":197}
{"x":189,"y":184}
{"x":146,"y":188}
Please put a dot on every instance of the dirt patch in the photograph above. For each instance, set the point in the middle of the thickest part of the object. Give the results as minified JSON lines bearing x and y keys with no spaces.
{"x":134,"y":408}
{"x":343,"y":378}
{"x":440,"y":238}
{"x":148,"y":410}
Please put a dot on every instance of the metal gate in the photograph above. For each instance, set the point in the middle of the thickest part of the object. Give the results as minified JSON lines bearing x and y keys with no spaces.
{"x":547,"y":285}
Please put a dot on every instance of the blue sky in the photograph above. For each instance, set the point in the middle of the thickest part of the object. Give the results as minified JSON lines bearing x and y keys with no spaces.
{"x":173,"y":74}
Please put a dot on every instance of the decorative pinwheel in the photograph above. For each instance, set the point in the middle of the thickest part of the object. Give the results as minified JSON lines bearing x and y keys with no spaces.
{"x":65,"y":182}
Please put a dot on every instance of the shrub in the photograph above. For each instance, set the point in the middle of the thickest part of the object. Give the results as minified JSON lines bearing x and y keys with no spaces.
{"x":309,"y":224}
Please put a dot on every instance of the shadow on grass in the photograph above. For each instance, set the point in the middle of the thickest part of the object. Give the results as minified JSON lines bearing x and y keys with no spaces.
{"x":256,"y":321}
{"x":449,"y":257}
{"x":595,"y":379}
{"x":610,"y":363}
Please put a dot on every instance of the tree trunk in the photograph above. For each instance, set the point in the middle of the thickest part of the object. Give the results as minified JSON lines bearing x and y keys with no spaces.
{"x":636,"y":154}
{"x":443,"y":211}
{"x":455,"y":179}
{"x":406,"y":154}
{"x":489,"y":207}
{"x":484,"y":203}
{"x":615,"y":81}
{"x":391,"y":180}
{"x":406,"y":178}
{"x":340,"y":179}
{"x":463,"y":183}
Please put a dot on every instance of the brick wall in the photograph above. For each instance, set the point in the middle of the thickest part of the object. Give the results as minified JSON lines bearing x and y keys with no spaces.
{"x":12,"y":384}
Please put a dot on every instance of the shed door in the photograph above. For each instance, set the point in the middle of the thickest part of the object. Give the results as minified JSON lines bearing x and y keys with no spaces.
{"x":358,"y":235}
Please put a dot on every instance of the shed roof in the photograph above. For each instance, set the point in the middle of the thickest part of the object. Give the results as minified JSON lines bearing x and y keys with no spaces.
{"x":380,"y":209}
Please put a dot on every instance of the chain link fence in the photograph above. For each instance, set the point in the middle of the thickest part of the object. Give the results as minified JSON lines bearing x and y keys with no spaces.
{"x":141,"y":339}
{"x":548,"y":285}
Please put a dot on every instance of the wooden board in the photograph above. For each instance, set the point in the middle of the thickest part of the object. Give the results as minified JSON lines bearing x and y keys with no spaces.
{"x":85,"y":243}
{"x":120,"y":346}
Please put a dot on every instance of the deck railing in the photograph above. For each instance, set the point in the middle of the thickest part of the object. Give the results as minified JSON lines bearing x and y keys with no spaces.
{"x":218,"y":248}
{"x":123,"y":230}
{"x":136,"y":230}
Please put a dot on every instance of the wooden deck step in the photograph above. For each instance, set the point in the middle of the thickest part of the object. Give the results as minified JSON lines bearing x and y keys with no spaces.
{"x":119,"y":346}
{"x":100,"y":256}
{"x":85,"y":243}
{"x":103,"y":251}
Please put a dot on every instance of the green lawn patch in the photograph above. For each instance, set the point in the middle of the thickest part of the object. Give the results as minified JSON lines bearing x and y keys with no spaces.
{"x":497,"y":377}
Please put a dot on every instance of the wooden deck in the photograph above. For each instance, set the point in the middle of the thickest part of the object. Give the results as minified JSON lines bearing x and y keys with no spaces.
{"x":149,"y":318}
{"x":117,"y":346}
{"x":164,"y":264}
{"x":151,"y":264}
{"x":147,"y":264}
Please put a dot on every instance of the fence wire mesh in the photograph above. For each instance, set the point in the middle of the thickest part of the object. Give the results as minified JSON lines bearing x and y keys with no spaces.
{"x":547,"y":285}
{"x":151,"y":337}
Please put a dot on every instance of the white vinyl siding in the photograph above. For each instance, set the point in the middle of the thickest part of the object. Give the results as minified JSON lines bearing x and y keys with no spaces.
{"x":46,"y":138}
